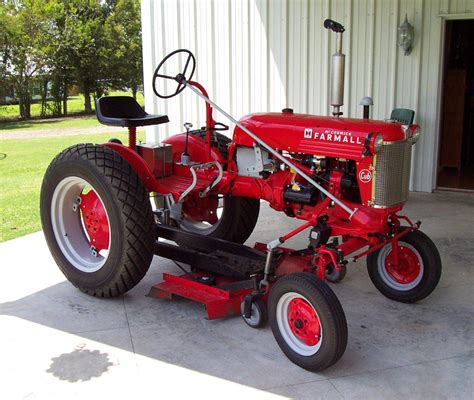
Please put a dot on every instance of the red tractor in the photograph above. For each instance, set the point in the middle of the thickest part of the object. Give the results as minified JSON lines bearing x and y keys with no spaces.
{"x":107,"y":209}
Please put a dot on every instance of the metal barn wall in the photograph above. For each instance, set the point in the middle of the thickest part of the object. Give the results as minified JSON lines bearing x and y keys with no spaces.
{"x":264,"y":55}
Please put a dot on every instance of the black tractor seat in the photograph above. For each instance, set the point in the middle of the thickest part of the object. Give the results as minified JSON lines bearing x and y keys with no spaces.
{"x":125,"y":111}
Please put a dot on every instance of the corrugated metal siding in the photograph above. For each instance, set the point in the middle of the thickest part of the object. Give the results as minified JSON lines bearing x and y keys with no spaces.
{"x":264,"y":55}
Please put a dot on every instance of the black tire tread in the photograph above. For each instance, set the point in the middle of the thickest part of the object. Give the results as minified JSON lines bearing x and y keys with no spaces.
{"x":248,"y":208}
{"x":431,"y":260}
{"x":239,"y":226}
{"x":263,"y":314}
{"x":135,"y":211}
{"x":334,"y":276}
{"x":310,"y":282}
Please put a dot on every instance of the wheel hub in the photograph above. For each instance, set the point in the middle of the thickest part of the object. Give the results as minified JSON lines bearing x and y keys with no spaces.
{"x":408,"y":267}
{"x":95,"y":220}
{"x":303,"y":322}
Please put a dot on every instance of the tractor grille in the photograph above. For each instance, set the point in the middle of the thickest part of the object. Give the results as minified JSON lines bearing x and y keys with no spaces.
{"x":392,"y":174}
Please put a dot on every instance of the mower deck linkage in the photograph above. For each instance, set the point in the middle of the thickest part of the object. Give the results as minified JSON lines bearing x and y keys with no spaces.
{"x":221,"y":271}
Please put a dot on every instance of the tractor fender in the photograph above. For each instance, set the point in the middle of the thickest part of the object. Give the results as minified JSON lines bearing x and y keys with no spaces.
{"x":138,"y":164}
{"x":197,"y":148}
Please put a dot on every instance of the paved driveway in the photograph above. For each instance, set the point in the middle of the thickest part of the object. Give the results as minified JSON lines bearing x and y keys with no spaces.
{"x":59,"y":343}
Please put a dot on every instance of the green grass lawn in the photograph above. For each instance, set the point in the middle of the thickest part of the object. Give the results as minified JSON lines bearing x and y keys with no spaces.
{"x":21,"y":173}
{"x":75,"y":104}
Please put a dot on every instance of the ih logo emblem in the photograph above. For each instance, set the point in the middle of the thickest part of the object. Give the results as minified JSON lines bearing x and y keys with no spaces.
{"x":308,"y":133}
{"x":365,"y":176}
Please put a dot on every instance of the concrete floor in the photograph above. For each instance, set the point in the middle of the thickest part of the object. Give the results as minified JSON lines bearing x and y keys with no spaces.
{"x":59,"y":343}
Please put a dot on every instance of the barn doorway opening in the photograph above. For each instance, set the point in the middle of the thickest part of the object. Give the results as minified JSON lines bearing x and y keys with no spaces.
{"x":456,"y":155}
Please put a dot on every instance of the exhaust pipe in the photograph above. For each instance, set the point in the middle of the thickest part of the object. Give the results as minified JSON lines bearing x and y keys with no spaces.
{"x":338,"y":64}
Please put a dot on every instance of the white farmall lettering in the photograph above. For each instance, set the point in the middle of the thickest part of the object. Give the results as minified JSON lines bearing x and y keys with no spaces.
{"x":332,"y":136}
{"x":365,"y":175}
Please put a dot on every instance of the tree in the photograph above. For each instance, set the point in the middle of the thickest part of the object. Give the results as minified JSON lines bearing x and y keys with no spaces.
{"x":22,"y":55}
{"x":5,"y":41}
{"x":58,"y":50}
{"x":95,"y":44}
{"x":84,"y":28}
{"x":124,"y":45}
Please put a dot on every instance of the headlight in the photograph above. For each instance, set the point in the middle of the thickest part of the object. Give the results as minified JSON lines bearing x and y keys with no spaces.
{"x":415,"y":135}
{"x":377,"y":144}
{"x":373,"y":143}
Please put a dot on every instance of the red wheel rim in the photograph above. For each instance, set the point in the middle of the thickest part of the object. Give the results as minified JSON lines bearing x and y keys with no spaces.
{"x":303,"y":321}
{"x":408,"y":267}
{"x":95,"y":220}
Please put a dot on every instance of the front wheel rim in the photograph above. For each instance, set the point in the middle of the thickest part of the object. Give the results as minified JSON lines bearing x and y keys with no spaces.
{"x":80,"y":224}
{"x":409,"y":271}
{"x":299,"y":324}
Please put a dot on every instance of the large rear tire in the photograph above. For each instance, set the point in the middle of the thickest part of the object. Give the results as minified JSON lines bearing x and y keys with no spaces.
{"x":308,"y":321}
{"x":97,"y":220}
{"x":234,"y":218}
{"x":417,"y":274}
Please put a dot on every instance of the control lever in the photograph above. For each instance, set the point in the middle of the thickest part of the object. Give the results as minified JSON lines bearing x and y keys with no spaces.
{"x":185,"y":154}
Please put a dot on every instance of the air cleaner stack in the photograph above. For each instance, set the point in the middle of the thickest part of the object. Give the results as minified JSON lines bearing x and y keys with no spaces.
{"x":338,"y":64}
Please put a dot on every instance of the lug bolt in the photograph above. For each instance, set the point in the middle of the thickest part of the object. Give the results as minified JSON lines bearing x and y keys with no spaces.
{"x":76,"y":203}
{"x":94,"y":251}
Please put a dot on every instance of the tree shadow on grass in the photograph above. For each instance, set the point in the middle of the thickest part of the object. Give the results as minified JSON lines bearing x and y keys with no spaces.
{"x":4,"y":126}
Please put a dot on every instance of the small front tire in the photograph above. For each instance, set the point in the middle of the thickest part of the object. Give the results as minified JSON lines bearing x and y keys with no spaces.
{"x":334,"y":275}
{"x":307,"y":321}
{"x":417,"y":273}
{"x":258,"y":316}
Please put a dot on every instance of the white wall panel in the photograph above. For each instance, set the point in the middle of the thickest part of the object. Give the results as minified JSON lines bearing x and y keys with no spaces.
{"x":264,"y":55}
{"x":277,"y":36}
{"x":298,"y":51}
{"x":318,"y":62}
{"x":258,"y":14}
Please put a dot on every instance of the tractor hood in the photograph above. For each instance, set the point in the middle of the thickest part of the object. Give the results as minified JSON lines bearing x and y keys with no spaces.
{"x":318,"y":135}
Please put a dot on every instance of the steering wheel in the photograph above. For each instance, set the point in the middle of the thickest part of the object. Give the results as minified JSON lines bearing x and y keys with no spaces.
{"x":180,"y":78}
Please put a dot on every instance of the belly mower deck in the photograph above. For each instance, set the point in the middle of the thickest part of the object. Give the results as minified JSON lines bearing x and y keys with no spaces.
{"x":221,"y":271}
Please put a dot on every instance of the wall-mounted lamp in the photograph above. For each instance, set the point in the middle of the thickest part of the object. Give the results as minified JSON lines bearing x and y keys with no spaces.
{"x":406,"y":35}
